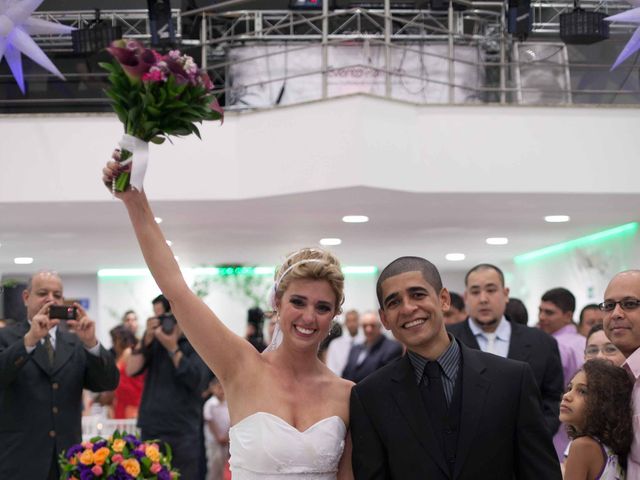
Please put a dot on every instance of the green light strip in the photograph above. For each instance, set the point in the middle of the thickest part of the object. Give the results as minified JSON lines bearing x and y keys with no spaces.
{"x":622,"y":230}
{"x":222,"y":271}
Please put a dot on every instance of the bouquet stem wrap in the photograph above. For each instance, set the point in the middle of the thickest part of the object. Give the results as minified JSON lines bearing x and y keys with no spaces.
{"x":132,"y":149}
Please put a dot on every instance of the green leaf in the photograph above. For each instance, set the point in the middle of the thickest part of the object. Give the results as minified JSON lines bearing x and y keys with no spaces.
{"x":107,"y":66}
{"x":154,"y":111}
{"x":158,"y":140}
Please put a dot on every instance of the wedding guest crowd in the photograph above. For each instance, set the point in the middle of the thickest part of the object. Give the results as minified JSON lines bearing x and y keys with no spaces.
{"x":168,"y":405}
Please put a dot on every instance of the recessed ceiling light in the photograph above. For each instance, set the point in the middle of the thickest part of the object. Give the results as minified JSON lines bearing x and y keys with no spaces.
{"x":23,"y":260}
{"x":557,"y":218}
{"x":158,"y":219}
{"x":330,"y":241}
{"x":455,"y":257}
{"x":355,"y":219}
{"x":169,"y":242}
{"x":497,"y":240}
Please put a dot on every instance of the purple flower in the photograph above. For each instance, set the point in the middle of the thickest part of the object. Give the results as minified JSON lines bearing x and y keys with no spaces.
{"x":120,"y":474}
{"x":164,"y":474}
{"x":73,"y":450}
{"x":132,"y":439}
{"x":98,"y":445}
{"x":138,"y":454}
{"x":134,"y":61}
{"x":87,"y":475}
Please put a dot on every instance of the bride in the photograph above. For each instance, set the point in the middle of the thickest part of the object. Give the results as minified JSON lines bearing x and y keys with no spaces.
{"x":290,"y":413}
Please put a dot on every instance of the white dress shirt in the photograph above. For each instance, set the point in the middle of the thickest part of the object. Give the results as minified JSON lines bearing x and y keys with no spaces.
{"x":501,"y":337}
{"x":95,"y":350}
{"x":338,"y":351}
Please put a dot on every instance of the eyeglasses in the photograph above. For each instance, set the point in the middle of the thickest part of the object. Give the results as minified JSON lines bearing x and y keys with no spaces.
{"x":626,"y":305}
{"x":608,"y":350}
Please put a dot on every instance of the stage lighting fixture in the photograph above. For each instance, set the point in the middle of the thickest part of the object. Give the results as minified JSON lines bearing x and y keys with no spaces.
{"x":95,"y":37}
{"x":581,"y":27}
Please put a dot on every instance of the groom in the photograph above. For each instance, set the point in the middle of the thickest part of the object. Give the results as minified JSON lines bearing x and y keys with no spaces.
{"x":444,"y":411}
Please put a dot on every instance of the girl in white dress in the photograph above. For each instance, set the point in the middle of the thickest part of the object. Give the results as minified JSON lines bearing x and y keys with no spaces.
{"x":597,"y":411}
{"x":289,"y":412}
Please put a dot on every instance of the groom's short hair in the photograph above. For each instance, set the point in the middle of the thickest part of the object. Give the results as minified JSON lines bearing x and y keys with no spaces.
{"x":410,"y":264}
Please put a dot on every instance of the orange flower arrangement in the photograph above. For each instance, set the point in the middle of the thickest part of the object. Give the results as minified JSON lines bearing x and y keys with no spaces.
{"x":120,"y":457}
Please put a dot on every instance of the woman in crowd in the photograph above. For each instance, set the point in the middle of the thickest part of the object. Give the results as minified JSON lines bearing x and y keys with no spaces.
{"x":597,"y":411}
{"x":289,"y":412}
{"x":126,"y":398}
{"x":599,"y":346}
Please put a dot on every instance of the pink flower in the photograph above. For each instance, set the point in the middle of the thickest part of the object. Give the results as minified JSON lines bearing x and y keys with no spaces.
{"x":215,"y":106}
{"x":142,"y":447}
{"x":117,"y":458}
{"x":154,"y":75}
{"x":155,"y":468}
{"x":87,"y":444}
{"x":205,"y":81}
{"x":97,"y":470}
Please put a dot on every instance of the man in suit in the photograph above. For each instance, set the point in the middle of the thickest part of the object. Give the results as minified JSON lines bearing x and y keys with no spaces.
{"x":376,"y":351}
{"x":472,"y":416}
{"x":487,"y":329}
{"x":43,"y":369}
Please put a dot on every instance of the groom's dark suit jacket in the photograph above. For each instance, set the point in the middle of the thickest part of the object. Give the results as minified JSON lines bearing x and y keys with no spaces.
{"x":540,"y":351}
{"x":502,"y":433}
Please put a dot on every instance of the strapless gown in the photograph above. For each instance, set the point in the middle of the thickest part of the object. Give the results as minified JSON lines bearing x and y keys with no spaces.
{"x":265,"y":447}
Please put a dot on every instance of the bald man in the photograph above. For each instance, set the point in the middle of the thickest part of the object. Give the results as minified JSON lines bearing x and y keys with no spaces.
{"x":621,"y":309}
{"x":376,"y":351}
{"x":43,"y":369}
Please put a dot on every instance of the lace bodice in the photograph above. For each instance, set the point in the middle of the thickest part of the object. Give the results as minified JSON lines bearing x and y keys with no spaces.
{"x":265,"y":447}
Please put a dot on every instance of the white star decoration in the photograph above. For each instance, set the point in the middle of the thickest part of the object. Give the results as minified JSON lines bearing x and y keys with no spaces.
{"x":630,"y":16}
{"x":16,"y":26}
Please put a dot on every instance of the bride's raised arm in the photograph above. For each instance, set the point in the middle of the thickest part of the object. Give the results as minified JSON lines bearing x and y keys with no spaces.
{"x":225,"y":352}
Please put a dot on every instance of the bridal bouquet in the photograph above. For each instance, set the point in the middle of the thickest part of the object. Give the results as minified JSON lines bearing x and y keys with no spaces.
{"x":155,"y":96}
{"x":120,"y":457}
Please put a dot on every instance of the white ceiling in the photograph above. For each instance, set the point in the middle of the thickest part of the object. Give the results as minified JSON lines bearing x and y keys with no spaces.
{"x":82,"y":238}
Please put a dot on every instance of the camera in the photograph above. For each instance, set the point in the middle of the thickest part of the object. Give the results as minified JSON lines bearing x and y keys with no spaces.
{"x":167,"y":323}
{"x":63,"y":312}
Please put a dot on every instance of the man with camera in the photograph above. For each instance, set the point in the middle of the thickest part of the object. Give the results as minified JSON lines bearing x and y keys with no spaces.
{"x":43,"y":370}
{"x":171,"y":405}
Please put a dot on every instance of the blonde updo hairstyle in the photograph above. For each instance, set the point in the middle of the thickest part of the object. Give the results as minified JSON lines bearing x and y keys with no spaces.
{"x":311,"y":264}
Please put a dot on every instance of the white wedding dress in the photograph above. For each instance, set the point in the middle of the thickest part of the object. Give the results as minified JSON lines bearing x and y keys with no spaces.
{"x":265,"y":447}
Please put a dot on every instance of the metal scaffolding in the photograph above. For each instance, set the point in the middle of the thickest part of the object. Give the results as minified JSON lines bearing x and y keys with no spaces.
{"x":474,"y":58}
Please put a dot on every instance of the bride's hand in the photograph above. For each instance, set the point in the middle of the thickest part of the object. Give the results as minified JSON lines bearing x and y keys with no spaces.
{"x":111,"y":171}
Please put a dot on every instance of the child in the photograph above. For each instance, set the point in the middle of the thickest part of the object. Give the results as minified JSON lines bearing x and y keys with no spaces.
{"x":217,"y":423}
{"x":597,"y":411}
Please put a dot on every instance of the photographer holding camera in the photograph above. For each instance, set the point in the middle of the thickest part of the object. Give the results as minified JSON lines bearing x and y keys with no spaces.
{"x":171,"y":406}
{"x":43,"y":369}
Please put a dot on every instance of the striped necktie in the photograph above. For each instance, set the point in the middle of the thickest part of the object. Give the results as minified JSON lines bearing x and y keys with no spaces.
{"x":49,"y":348}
